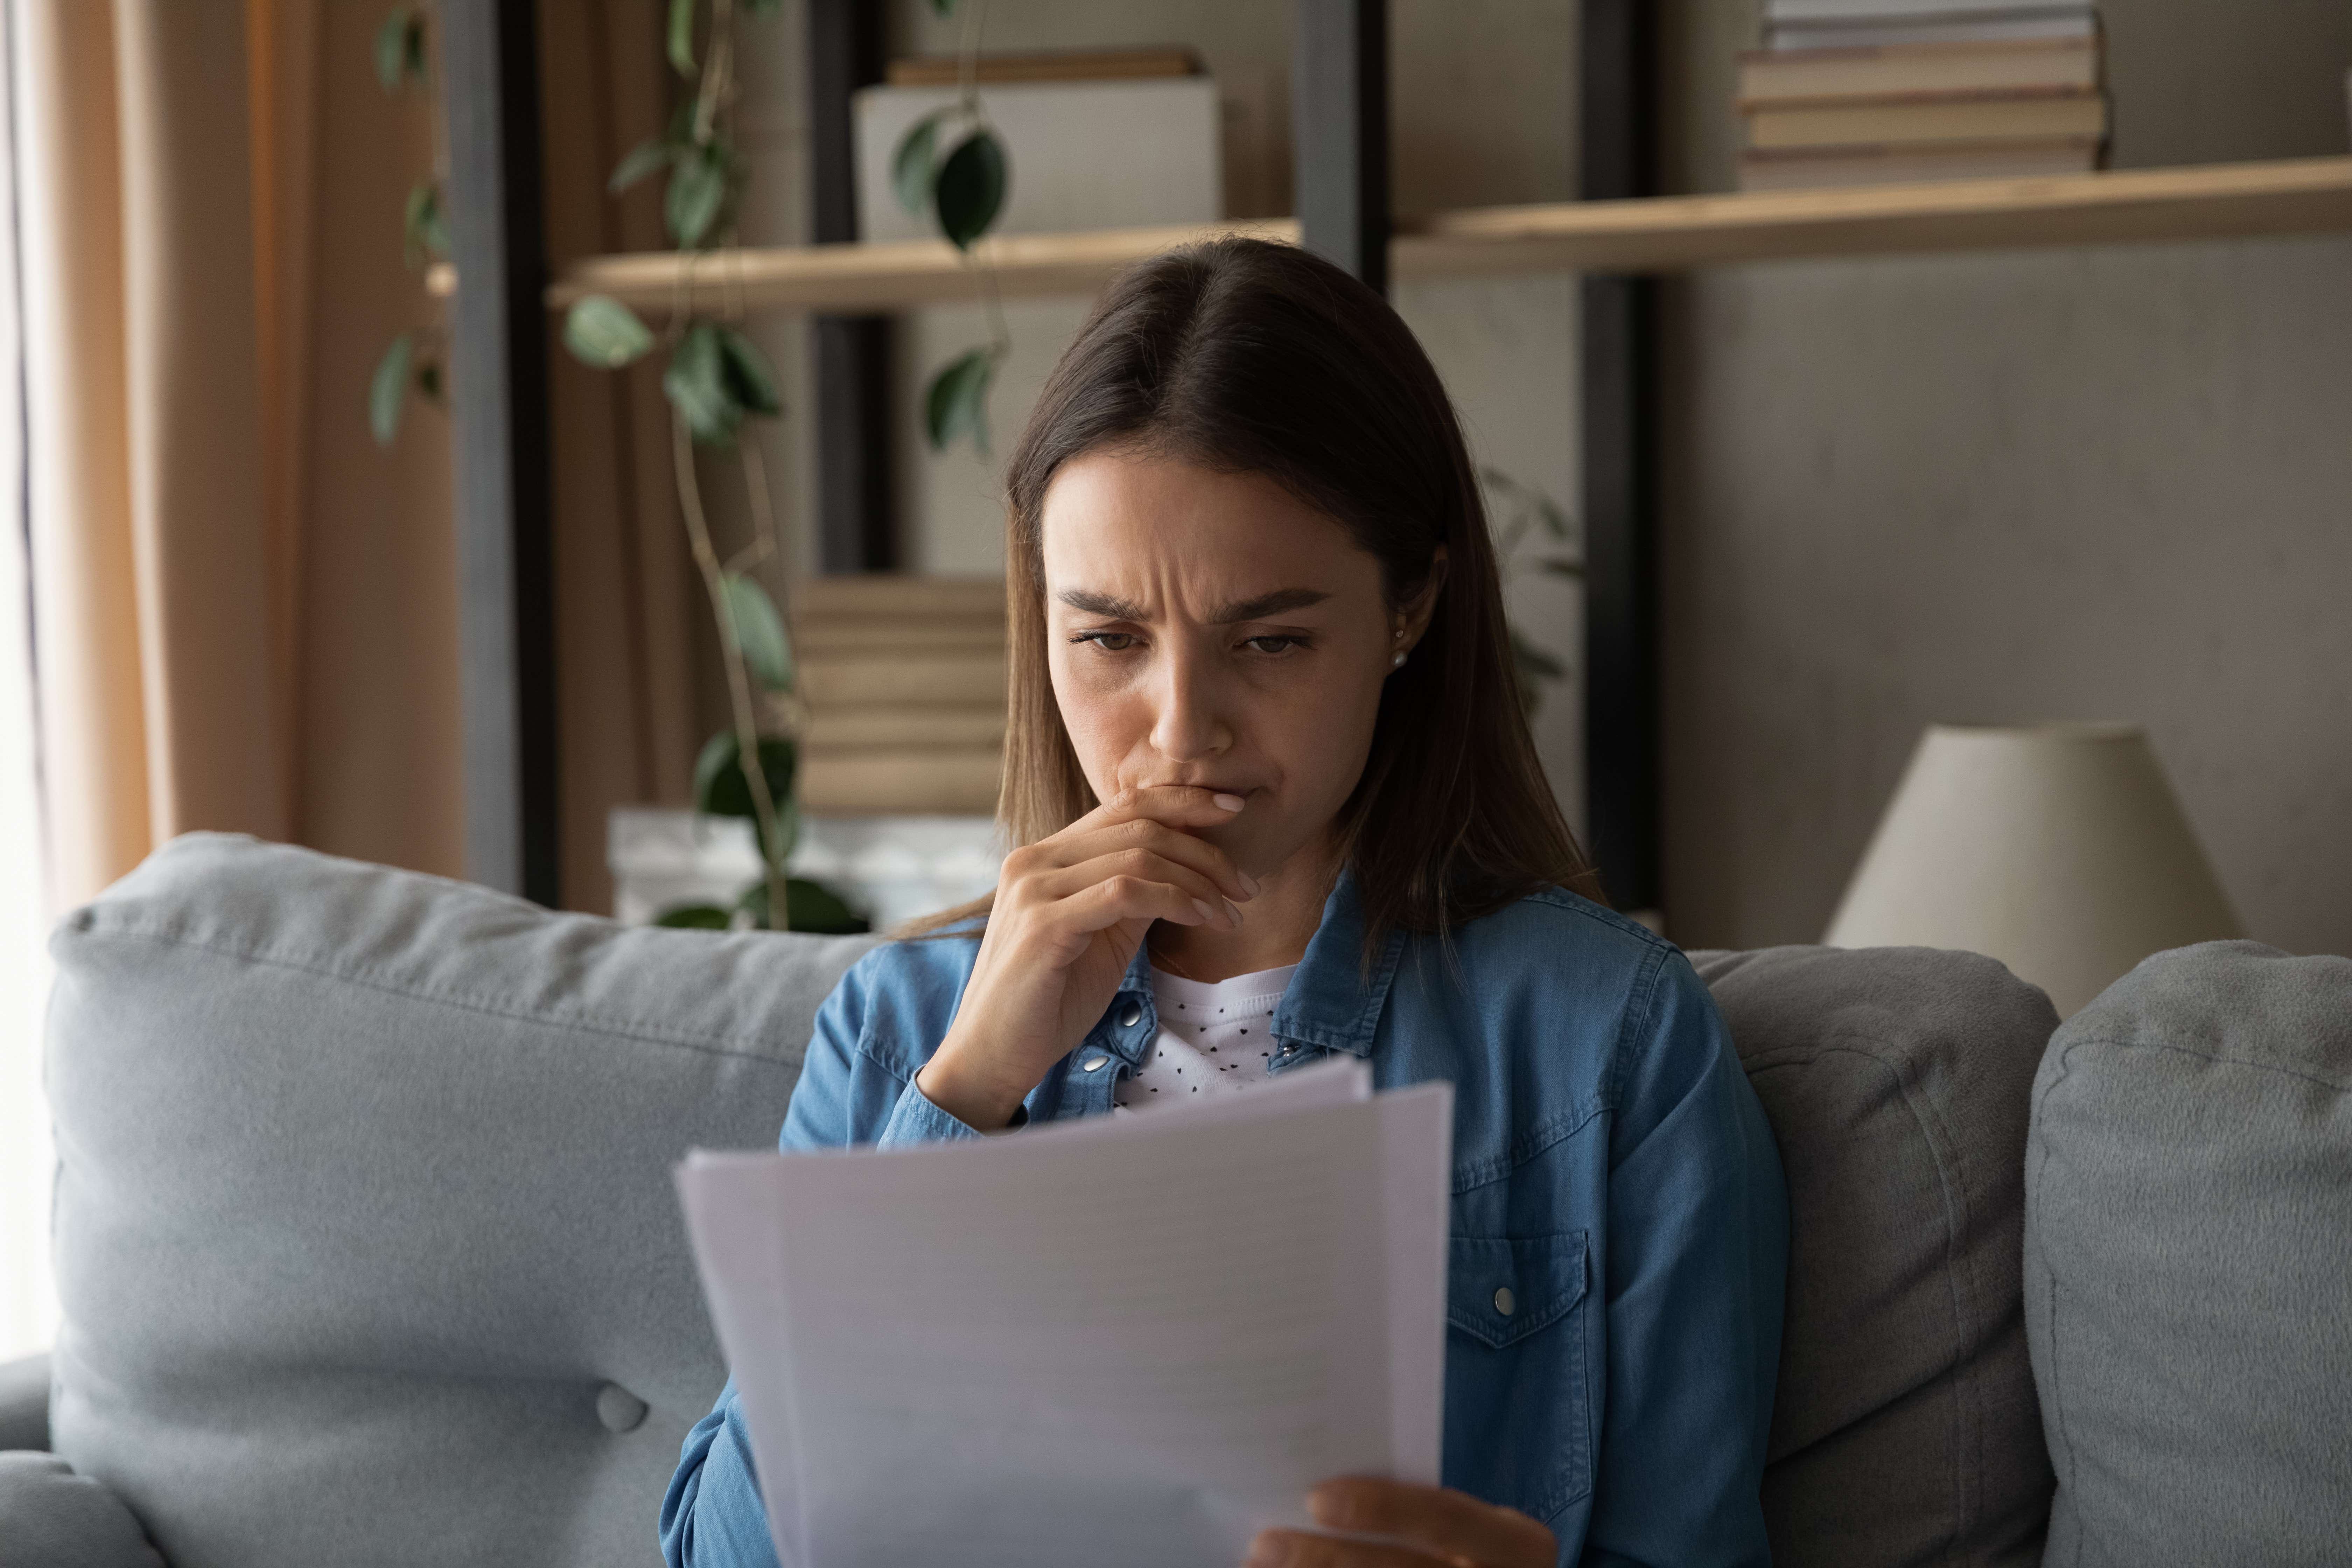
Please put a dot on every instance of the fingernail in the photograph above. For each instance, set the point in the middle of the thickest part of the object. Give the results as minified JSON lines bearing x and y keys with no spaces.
{"x":1234,"y":910}
{"x":1249,"y":883}
{"x":1230,"y":802}
{"x":1206,"y":913}
{"x":1269,"y":1552}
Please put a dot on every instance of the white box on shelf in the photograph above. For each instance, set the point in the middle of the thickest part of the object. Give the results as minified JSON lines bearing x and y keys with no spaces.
{"x":1084,"y":155}
{"x":890,"y":869}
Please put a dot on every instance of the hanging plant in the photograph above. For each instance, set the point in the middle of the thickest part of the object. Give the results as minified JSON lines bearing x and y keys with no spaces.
{"x":412,"y":363}
{"x":1517,"y":513}
{"x":714,"y":379}
{"x":963,"y":190}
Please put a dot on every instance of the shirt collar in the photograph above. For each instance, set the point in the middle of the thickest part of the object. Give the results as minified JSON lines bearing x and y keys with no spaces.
{"x":1332,"y":1002}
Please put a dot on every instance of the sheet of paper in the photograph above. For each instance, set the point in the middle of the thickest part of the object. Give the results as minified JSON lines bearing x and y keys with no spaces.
{"x":1134,"y":1339}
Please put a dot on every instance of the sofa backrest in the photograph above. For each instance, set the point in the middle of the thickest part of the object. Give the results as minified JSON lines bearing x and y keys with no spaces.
{"x":369,"y":1253}
{"x":1905,"y":1429}
{"x":2189,"y":1262}
{"x":366,"y":1241}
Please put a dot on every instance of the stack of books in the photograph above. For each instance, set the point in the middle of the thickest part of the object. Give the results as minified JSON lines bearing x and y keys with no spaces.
{"x":1864,"y":92}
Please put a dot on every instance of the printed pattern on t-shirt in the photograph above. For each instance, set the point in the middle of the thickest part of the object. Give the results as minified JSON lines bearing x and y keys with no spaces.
{"x":1213,"y":1040}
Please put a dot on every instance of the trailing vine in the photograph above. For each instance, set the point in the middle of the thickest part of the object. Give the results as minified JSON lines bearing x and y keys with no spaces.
{"x":413,"y":360}
{"x":714,"y":379}
{"x":1515,"y":513}
{"x":965,"y":192}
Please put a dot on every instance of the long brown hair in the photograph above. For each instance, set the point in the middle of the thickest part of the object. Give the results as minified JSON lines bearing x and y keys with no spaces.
{"x":1251,"y":357}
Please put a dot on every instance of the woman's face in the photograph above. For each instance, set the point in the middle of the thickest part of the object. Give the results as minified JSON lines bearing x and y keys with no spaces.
{"x":1212,"y":628}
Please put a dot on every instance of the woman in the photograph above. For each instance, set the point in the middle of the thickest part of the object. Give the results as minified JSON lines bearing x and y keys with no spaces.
{"x":1274,"y":800}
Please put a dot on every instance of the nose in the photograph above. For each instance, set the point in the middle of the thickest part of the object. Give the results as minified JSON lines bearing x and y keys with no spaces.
{"x":1187,"y":725}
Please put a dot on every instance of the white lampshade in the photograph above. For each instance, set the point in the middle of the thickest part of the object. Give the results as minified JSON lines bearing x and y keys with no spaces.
{"x":2058,"y":849}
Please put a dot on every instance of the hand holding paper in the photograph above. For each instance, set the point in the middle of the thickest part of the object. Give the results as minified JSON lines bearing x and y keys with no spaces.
{"x":1133,"y":1341}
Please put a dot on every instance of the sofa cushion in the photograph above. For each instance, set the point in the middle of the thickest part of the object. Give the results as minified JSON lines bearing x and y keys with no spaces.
{"x":51,"y":1517}
{"x":366,"y":1240}
{"x":1897,"y":1079}
{"x":2189,"y":1262}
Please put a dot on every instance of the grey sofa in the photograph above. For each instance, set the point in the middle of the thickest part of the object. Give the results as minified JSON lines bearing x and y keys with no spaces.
{"x":369,"y":1254}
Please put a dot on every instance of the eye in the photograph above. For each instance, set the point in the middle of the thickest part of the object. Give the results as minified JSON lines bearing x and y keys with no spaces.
{"x":1275,"y":642}
{"x":1109,"y":642}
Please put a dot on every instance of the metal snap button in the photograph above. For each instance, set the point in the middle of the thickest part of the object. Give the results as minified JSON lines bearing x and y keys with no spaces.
{"x":1094,"y":1064}
{"x":1131,"y":1016}
{"x":1504,"y":1302}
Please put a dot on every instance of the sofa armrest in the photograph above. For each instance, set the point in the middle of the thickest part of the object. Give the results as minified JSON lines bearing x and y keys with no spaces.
{"x":51,"y":1517}
{"x":25,"y":1404}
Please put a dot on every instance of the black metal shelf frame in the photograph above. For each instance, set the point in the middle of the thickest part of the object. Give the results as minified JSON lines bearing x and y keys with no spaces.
{"x":1341,"y":134}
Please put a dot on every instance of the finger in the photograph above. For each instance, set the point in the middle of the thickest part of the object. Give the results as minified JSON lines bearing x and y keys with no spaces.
{"x":1177,"y":805}
{"x":1297,"y":1549}
{"x":1143,"y":864}
{"x":1124,"y":897}
{"x":1143,"y":832}
{"x":1452,"y":1523}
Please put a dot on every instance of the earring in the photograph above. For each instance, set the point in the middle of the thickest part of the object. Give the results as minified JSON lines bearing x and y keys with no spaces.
{"x":1398,"y":662}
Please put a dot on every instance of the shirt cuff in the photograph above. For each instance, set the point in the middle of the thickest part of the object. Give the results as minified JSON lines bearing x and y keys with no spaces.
{"x":914,"y":1119}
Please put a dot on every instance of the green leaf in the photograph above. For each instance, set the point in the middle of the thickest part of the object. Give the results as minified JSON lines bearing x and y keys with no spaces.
{"x":721,"y":789}
{"x":813,"y":909}
{"x":696,"y":384}
{"x":413,"y":51}
{"x":943,"y":7}
{"x":971,"y":188}
{"x":602,"y":332}
{"x":388,"y":392}
{"x":391,"y":47}
{"x":758,"y":631}
{"x":425,"y":228}
{"x":695,"y":916}
{"x":958,"y":401}
{"x":699,"y":187}
{"x":644,"y":158}
{"x":681,"y":35}
{"x":750,"y":379}
{"x":916,"y":164}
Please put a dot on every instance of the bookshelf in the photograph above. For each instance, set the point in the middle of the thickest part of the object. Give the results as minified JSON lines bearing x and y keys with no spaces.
{"x":1658,"y":234}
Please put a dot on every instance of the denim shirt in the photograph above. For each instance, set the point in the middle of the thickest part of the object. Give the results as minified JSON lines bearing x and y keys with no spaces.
{"x":1612,"y":1170}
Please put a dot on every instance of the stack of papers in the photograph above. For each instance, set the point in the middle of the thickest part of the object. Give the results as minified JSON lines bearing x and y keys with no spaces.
{"x":1134,"y":1338}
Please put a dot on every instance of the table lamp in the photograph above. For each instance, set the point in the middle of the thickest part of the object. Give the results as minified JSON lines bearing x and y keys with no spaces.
{"x":2057,"y":848}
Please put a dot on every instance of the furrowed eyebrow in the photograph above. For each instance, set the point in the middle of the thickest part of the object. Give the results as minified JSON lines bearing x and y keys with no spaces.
{"x":1102,"y":604}
{"x":1266,"y":605}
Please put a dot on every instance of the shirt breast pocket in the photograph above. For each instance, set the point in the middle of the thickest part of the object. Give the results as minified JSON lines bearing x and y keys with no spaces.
{"x":1517,"y":1379}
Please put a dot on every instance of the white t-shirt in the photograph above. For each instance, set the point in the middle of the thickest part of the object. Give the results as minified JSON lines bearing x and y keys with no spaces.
{"x":1213,"y":1039}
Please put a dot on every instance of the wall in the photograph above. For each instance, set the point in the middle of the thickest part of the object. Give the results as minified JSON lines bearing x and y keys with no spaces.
{"x":2096,"y":483}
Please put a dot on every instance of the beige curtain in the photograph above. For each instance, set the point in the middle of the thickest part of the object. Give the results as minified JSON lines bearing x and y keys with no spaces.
{"x":631,"y":625}
{"x":244,"y":611}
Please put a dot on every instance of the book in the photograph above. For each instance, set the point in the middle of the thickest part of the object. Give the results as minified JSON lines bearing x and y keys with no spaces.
{"x":1875,"y":33}
{"x":1808,"y":169}
{"x":1054,"y":65}
{"x":944,"y":1358}
{"x":2049,"y":64}
{"x":1900,"y":122}
{"x":1913,"y":10}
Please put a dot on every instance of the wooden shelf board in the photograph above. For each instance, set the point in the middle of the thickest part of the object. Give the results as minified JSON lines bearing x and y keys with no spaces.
{"x":1677,"y":233}
{"x":1660,"y":235}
